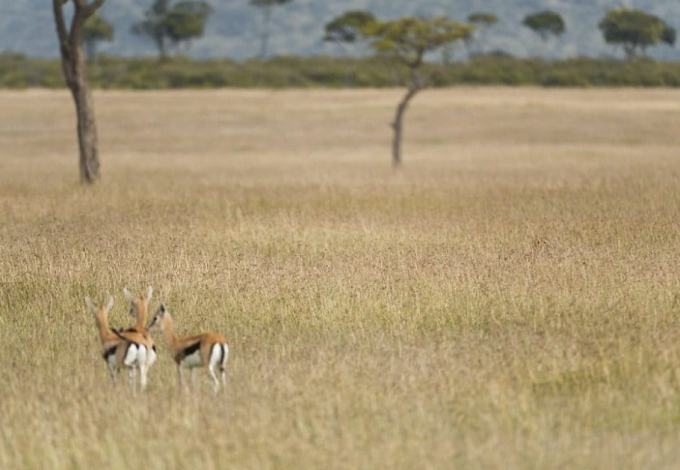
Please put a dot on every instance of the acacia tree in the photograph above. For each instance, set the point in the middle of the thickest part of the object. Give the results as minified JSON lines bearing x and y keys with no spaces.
{"x":96,"y":30}
{"x":407,"y":41}
{"x":175,"y":24}
{"x":482,"y":22}
{"x":635,"y":31}
{"x":266,"y":6}
{"x":153,"y":26}
{"x":347,"y":30}
{"x":73,"y":64}
{"x":545,"y":24}
{"x":186,"y":21}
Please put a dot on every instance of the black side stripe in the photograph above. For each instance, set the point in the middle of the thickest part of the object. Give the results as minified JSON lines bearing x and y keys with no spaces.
{"x":188,"y":351}
{"x":118,"y":331}
{"x":109,"y":352}
{"x":192,"y":349}
{"x":112,"y":350}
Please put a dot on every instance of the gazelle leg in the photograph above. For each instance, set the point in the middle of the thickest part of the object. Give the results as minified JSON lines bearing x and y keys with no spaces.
{"x":192,"y":383}
{"x":223,"y":376}
{"x":180,"y":378}
{"x":143,"y":369}
{"x":211,"y":373}
{"x":114,"y":373}
{"x":143,"y":365}
{"x":132,"y":374}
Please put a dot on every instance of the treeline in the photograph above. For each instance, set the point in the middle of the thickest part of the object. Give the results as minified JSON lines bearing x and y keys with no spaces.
{"x":17,"y":72}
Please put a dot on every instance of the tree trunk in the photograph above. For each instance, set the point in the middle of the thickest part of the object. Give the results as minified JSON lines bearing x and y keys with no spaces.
{"x":159,"y":38}
{"x":266,"y":16}
{"x":398,"y":124}
{"x":88,"y":143}
{"x":86,"y":123}
{"x":630,"y":51}
{"x":90,"y":46}
{"x":73,"y":65}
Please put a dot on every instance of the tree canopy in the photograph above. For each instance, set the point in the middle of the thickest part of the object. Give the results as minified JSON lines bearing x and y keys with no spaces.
{"x":268,"y":3}
{"x":348,"y":28}
{"x":483,"y":19}
{"x":635,"y":30}
{"x":96,"y":29}
{"x":184,"y":21}
{"x":409,"y":39}
{"x":545,"y":24}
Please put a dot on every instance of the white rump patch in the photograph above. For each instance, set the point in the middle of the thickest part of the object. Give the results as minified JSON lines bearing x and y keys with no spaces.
{"x":216,"y":354}
{"x":135,"y":355}
{"x":152,"y":357}
{"x":226,"y":354}
{"x":131,"y":355}
{"x":141,"y":355}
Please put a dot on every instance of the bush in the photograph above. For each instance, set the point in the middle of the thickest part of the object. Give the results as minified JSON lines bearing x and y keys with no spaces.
{"x":18,"y":71}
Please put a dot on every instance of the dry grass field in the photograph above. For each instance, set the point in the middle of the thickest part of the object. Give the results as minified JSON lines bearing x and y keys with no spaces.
{"x":510,"y":300}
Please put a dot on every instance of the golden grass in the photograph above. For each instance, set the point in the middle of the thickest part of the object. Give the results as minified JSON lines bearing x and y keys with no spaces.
{"x":508,"y":301}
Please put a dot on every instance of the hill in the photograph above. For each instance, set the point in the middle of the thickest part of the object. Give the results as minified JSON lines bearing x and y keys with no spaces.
{"x":27,"y":26}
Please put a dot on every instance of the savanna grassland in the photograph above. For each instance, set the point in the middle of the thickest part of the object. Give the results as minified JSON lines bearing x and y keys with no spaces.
{"x":509,"y":300}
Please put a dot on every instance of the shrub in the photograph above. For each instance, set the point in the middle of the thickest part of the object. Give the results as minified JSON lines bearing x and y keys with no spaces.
{"x":18,"y":71}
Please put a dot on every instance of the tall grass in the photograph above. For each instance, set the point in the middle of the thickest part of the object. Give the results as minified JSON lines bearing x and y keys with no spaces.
{"x":509,"y":300}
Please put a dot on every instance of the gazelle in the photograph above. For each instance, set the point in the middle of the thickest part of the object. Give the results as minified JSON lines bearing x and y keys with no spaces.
{"x":139,"y":306}
{"x":207,"y":350}
{"x":119,"y":351}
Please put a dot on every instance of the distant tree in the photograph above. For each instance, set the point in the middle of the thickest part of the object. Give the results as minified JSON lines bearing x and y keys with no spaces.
{"x":347,"y":31}
{"x":266,"y":6}
{"x":407,"y":41}
{"x":153,"y":26}
{"x":545,"y":24}
{"x":486,"y":19}
{"x":73,"y":65}
{"x":669,"y":35}
{"x":95,"y":30}
{"x":178,"y":24}
{"x":186,"y":21}
{"x":482,"y":22}
{"x":635,"y":31}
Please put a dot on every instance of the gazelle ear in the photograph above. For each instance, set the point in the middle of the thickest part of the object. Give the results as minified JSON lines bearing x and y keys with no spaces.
{"x":90,"y":305}
{"x":149,"y":293}
{"x":162,"y":309}
{"x":109,"y":304}
{"x":128,"y":294}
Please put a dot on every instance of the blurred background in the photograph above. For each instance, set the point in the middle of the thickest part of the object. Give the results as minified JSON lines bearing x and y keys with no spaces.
{"x":233,"y":29}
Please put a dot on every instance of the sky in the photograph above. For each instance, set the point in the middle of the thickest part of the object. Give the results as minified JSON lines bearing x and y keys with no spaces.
{"x":27,"y":26}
